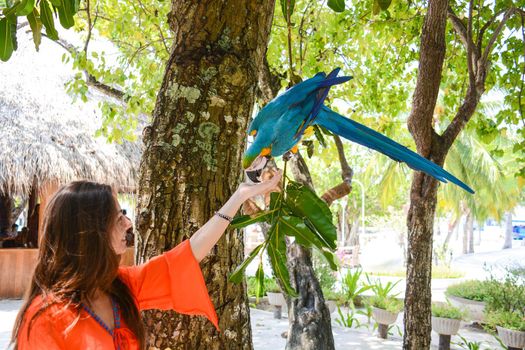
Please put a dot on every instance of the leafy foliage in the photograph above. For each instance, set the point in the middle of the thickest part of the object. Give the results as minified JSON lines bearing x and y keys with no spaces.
{"x":296,"y":212}
{"x":446,"y":311}
{"x":471,"y":290}
{"x":353,"y":287}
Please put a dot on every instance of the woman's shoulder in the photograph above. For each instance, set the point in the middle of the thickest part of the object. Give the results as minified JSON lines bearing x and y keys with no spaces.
{"x":43,"y":309}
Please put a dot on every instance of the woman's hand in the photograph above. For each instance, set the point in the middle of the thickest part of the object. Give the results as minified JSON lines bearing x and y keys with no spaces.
{"x":247,"y":190}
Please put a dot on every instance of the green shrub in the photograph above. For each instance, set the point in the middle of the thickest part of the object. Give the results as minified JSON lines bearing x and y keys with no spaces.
{"x":506,"y":293}
{"x":446,"y":311}
{"x":389,"y":304}
{"x":270,"y":285}
{"x":325,"y":275}
{"x":471,"y":290}
{"x":506,"y":319}
{"x":352,"y":287}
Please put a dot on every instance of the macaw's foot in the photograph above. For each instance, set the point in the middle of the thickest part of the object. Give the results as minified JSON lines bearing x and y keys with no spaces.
{"x":288,"y":155}
{"x":255,"y":170}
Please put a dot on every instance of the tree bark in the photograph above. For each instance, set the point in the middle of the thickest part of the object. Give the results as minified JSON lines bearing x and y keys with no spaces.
{"x":470,"y":229}
{"x":451,"y":227}
{"x":508,"y":231}
{"x":192,"y":158}
{"x":6,"y":205}
{"x":465,"y":232}
{"x":423,"y":192}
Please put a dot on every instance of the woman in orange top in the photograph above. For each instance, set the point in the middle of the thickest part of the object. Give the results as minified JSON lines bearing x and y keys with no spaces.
{"x":80,"y":298}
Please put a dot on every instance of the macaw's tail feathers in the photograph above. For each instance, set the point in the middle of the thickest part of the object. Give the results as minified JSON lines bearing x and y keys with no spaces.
{"x":367,"y":137}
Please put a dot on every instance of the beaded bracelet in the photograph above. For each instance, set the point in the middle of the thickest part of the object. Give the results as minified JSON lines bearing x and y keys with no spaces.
{"x":225,"y":217}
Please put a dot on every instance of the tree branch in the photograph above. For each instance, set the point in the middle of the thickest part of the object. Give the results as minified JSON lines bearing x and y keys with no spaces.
{"x":345,"y":187}
{"x":465,"y":35}
{"x":509,"y":12}
{"x":90,"y":79}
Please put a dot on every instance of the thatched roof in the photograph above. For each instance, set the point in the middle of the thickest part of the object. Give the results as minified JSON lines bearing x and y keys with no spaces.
{"x":44,"y":135}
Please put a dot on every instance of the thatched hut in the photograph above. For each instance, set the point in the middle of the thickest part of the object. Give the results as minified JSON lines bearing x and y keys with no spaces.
{"x":47,"y":140}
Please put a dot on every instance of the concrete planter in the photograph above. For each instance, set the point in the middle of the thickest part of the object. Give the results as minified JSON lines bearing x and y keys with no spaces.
{"x":276,"y":298}
{"x":445,"y":326}
{"x":331,"y":305}
{"x":512,"y":339}
{"x":473,"y":308}
{"x":384,"y":317}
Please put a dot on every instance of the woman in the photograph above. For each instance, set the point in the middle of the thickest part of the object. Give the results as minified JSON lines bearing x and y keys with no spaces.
{"x":80,"y":298}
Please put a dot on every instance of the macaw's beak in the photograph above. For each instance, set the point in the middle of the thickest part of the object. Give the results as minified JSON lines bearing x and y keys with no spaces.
{"x":255,"y":170}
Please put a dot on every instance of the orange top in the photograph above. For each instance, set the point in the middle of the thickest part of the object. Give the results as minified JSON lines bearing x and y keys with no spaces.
{"x":171,"y":281}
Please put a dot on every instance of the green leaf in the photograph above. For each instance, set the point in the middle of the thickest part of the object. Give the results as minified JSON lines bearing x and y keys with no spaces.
{"x":47,"y":20}
{"x":259,"y":278}
{"x":36,"y":27}
{"x":6,"y":41}
{"x":245,"y":220}
{"x":337,"y":5}
{"x":237,"y":275}
{"x":284,"y":7}
{"x":319,"y":135}
{"x":295,"y":227}
{"x":330,"y":258}
{"x":25,"y":7}
{"x":304,"y":203}
{"x":66,"y":11}
{"x":277,"y":254}
{"x":384,"y":4}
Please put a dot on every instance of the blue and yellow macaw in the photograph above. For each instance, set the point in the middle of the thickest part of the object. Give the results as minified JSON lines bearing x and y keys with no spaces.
{"x":281,"y":124}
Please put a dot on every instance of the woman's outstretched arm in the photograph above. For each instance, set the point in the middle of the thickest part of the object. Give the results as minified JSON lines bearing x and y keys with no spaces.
{"x":207,"y":236}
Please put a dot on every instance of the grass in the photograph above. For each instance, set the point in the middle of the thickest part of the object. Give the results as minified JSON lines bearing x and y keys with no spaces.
{"x":437,"y":272}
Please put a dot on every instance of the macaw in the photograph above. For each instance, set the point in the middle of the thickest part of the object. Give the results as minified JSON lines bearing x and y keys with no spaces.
{"x":281,"y":124}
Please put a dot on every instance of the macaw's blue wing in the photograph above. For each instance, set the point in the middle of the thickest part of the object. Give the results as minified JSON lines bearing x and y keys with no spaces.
{"x":367,"y":137}
{"x":294,"y":96}
{"x":320,"y":96}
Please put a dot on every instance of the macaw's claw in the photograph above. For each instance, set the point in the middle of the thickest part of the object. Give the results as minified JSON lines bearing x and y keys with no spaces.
{"x":255,"y":170}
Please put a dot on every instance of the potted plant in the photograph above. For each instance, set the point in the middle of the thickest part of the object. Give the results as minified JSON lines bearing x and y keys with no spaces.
{"x":385,"y":311}
{"x":510,"y":326}
{"x":470,"y":296}
{"x":505,"y":309}
{"x":275,"y":297}
{"x":446,"y":320}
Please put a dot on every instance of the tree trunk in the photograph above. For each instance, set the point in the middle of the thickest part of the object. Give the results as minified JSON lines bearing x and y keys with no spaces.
{"x":470,"y":229}
{"x":6,"y":205}
{"x":310,"y":327}
{"x":451,"y":227}
{"x":192,"y":158}
{"x":423,"y":192}
{"x":466,"y":232}
{"x":508,"y":231}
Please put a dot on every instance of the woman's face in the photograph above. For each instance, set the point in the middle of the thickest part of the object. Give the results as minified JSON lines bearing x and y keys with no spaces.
{"x":118,"y":233}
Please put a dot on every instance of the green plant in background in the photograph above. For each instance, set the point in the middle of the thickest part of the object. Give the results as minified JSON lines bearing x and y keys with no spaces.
{"x":471,"y":290}
{"x":257,"y":290}
{"x":366,"y":311}
{"x":389,"y":304}
{"x":383,"y":291}
{"x":349,"y":320}
{"x":296,"y":212}
{"x":506,"y":319}
{"x":326,"y":276}
{"x":352,"y":287}
{"x":506,"y":294}
{"x":469,"y":345}
{"x":446,"y":311}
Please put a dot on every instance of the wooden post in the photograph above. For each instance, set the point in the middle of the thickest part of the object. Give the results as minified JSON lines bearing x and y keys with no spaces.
{"x":383,"y":330}
{"x":444,"y":342}
{"x":6,"y":205}
{"x":277,"y":312}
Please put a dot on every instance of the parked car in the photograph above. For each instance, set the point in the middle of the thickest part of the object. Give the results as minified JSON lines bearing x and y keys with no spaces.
{"x":518,"y":232}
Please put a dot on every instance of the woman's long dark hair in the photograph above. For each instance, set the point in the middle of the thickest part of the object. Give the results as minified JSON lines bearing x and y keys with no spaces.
{"x":76,"y":258}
